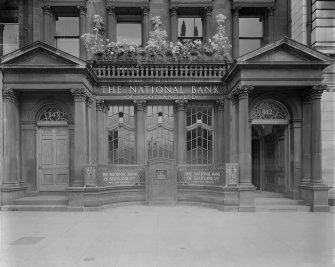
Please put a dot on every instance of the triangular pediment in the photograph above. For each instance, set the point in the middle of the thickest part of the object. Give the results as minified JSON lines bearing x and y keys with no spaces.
{"x":285,"y":50}
{"x":39,"y":55}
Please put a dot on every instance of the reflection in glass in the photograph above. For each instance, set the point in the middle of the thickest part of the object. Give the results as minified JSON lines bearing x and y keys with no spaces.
{"x":189,"y":29}
{"x":251,"y":34}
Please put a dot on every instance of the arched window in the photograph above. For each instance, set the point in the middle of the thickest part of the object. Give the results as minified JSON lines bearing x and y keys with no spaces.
{"x":269,"y":111}
{"x":53,"y":114}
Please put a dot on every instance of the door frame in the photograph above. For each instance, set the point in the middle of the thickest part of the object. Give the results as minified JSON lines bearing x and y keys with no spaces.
{"x":39,"y":125}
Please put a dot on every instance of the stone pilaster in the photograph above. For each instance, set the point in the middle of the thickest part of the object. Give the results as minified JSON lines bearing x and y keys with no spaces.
{"x":89,"y":101}
{"x":181,"y":131}
{"x":208,"y":27}
{"x":220,"y":155}
{"x":306,"y":139}
{"x":47,"y":24}
{"x":270,"y":27}
{"x":226,"y":130}
{"x":111,"y":26}
{"x":82,"y":29}
{"x":145,"y":28}
{"x":2,"y":27}
{"x":236,"y":32}
{"x":101,"y":129}
{"x":80,"y":136}
{"x":174,"y":24}
{"x":140,"y":131}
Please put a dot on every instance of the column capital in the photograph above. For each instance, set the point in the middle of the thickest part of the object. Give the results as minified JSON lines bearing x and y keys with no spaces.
{"x":145,"y":10}
{"x":140,"y":105}
{"x":174,"y":11}
{"x":270,"y":10}
{"x":244,"y":90}
{"x":236,"y":10}
{"x":220,"y":104}
{"x":317,"y":90}
{"x":306,"y":96}
{"x":180,"y":104}
{"x":2,"y":27}
{"x":9,"y":95}
{"x":89,"y":99}
{"x":208,"y":10}
{"x":110,"y":9}
{"x":46,"y":9}
{"x":82,"y":9}
{"x":79,"y":94}
{"x":100,"y":105}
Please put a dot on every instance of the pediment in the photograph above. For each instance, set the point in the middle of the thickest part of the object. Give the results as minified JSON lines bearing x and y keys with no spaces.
{"x":285,"y":50}
{"x":39,"y":55}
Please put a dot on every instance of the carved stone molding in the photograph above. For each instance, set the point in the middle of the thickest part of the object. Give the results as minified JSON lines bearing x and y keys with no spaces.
{"x":208,"y":11}
{"x":79,"y":94}
{"x":174,"y":11}
{"x":220,"y":104}
{"x":140,"y":104}
{"x":317,"y":90}
{"x":100,"y":105}
{"x":181,"y":104}
{"x":244,"y":90}
{"x":46,"y":9}
{"x":110,"y":9}
{"x":9,"y":95}
{"x":145,"y":11}
{"x":82,"y":9}
{"x":89,"y":100}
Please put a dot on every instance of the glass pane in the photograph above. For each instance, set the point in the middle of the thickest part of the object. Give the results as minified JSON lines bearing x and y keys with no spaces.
{"x":129,"y":33}
{"x":10,"y":38}
{"x":250,"y":27}
{"x":67,"y":26}
{"x":190,"y":27}
{"x":248,"y":45}
{"x":70,"y":46}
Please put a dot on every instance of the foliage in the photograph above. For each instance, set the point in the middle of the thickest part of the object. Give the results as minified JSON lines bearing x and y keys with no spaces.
{"x":158,"y":44}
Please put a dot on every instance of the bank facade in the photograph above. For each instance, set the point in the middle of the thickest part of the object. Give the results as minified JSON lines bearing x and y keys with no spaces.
{"x":209,"y":132}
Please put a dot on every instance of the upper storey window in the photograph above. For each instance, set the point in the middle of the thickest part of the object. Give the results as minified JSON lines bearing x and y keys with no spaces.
{"x":189,"y":29}
{"x":251,"y":34}
{"x":67,"y":35}
{"x":129,"y":27}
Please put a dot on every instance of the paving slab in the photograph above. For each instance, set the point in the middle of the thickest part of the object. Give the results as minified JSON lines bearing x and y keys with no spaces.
{"x":166,"y":236}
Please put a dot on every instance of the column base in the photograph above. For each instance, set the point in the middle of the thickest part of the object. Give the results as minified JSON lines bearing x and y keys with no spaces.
{"x":316,"y":196}
{"x":11,"y":191}
{"x":246,"y":198}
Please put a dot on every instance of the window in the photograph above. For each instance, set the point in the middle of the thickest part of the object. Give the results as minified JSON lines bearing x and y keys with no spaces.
{"x":251,"y":34}
{"x":189,"y":29}
{"x":10,"y":37}
{"x":67,"y":35}
{"x":199,"y":122}
{"x":129,"y":29}
{"x":121,"y":134}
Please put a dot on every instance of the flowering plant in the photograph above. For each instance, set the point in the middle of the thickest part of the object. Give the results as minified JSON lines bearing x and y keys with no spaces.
{"x":157,"y":43}
{"x":114,"y":50}
{"x":93,"y":41}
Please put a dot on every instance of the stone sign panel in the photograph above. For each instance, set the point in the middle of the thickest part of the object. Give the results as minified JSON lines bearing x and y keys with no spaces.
{"x":211,"y":177}
{"x":111,"y":176}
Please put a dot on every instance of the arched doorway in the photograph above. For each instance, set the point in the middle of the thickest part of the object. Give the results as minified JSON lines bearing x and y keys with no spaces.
{"x":270,"y":146}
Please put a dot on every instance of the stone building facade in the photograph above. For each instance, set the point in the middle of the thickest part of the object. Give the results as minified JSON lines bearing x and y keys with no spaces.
{"x":210,"y":132}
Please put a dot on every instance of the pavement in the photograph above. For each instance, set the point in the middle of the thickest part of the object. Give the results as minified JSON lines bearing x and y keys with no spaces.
{"x":137,"y":236}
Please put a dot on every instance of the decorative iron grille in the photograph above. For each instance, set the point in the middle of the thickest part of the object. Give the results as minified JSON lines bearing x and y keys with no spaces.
{"x":53,"y":114}
{"x":269,"y":110}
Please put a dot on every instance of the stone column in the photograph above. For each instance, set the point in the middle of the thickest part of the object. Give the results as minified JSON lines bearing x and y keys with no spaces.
{"x":181,"y":132}
{"x":296,"y":128}
{"x":236,"y":33}
{"x":145,"y":28}
{"x":208,"y":19}
{"x":80,"y":132}
{"x":234,"y":129}
{"x":306,"y":139}
{"x":226,"y":130}
{"x":47,"y":24}
{"x":2,"y":27}
{"x":140,"y":132}
{"x":271,"y":24}
{"x":82,"y":30}
{"x":244,"y":135}
{"x":220,"y":132}
{"x":89,"y":129}
{"x":174,"y":24}
{"x":101,"y":134}
{"x":111,"y":34}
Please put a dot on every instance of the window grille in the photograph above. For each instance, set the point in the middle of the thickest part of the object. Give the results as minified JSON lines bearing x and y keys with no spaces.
{"x":53,"y":114}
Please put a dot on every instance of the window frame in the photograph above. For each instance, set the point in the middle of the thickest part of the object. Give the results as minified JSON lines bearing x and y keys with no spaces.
{"x":261,"y":39}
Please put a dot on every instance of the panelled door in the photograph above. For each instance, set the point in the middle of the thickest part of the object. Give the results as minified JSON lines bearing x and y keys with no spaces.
{"x":53,"y":158}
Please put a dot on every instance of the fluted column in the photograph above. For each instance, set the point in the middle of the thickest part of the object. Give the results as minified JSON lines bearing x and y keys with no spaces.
{"x":47,"y":24}
{"x":82,"y":30}
{"x":174,"y":24}
{"x":181,"y":131}
{"x":101,"y":135}
{"x":140,"y":131}
{"x":80,"y":143}
{"x":220,"y":132}
{"x":208,"y":16}
{"x":111,"y":33}
{"x":244,"y":135}
{"x":145,"y":28}
{"x":316,"y":145}
{"x":306,"y":139}
{"x":271,"y":24}
{"x":2,"y":27}
{"x":236,"y":33}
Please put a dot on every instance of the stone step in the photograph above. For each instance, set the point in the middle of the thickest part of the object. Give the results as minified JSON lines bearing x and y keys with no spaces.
{"x":284,"y":208}
{"x":278,"y":201}
{"x":42,"y":200}
{"x":34,"y":208}
{"x":268,"y":194}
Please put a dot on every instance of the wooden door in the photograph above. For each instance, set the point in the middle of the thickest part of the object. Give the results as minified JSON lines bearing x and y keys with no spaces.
{"x":53,"y":158}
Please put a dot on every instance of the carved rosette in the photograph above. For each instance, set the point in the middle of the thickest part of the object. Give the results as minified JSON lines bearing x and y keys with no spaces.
{"x":181,"y":104}
{"x":140,"y":105}
{"x":100,"y":105}
{"x":9,"y":95}
{"x":220,"y":104}
{"x":79,"y":94}
{"x":46,"y":9}
{"x":317,"y":90}
{"x":244,"y":90}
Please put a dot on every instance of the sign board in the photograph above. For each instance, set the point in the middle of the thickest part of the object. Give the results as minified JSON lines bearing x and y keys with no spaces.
{"x":111,"y":176}
{"x":214,"y":177}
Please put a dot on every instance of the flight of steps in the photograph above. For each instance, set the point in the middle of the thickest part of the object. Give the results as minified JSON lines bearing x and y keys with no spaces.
{"x":39,"y":203}
{"x":271,"y":201}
